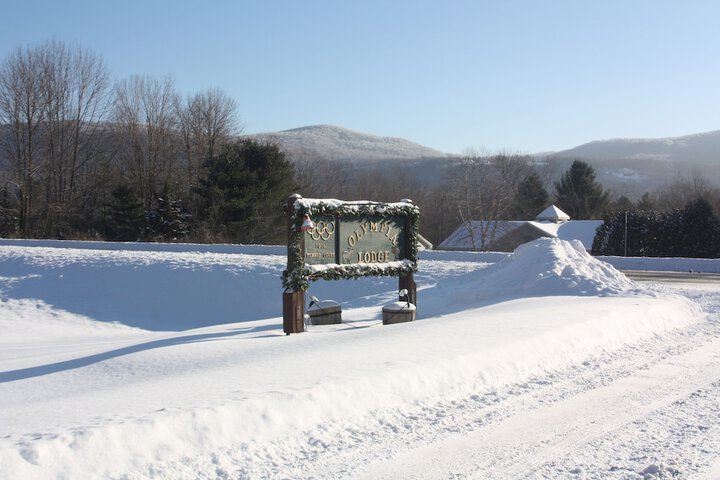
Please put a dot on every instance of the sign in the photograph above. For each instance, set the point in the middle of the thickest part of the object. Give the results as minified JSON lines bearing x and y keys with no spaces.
{"x":332,"y":239}
{"x":321,"y":243}
{"x":361,"y":239}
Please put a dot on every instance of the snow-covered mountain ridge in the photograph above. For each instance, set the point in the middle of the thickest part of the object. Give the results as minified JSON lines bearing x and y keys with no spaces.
{"x":629,"y":166}
{"x":340,"y":144}
{"x":699,"y":148}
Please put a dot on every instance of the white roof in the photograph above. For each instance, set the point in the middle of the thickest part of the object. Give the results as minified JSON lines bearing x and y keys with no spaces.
{"x":462,"y":237}
{"x":552,"y":214}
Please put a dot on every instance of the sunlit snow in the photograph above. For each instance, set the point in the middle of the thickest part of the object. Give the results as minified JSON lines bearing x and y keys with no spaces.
{"x":172,"y":363}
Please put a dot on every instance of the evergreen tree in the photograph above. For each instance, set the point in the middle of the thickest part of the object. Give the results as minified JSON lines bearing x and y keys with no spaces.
{"x":579,"y":194}
{"x":531,"y":198}
{"x":699,"y":234}
{"x":167,"y":221}
{"x":632,"y":233}
{"x":670,"y":226}
{"x":692,"y":232}
{"x":8,"y":215}
{"x":622,"y":204}
{"x":125,"y":218}
{"x":242,"y":192}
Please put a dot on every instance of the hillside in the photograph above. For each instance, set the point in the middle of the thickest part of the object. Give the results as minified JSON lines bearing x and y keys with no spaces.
{"x":633,"y":166}
{"x":626,"y":166}
{"x":701,"y":148}
{"x":329,"y":142}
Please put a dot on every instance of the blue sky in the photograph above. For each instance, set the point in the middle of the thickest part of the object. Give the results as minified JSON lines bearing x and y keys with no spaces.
{"x":525,"y":76}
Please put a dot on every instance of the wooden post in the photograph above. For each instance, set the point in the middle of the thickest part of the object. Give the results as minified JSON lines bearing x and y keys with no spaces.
{"x":293,"y":312}
{"x":408,"y":283}
{"x":293,"y":300}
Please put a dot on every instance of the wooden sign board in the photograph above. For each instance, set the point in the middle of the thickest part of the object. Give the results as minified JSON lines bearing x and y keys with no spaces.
{"x":349,"y":240}
{"x":355,"y":240}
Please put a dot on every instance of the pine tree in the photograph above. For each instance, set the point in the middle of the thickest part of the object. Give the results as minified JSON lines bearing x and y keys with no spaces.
{"x":699,"y":235}
{"x":167,"y":221}
{"x":125,"y":220}
{"x":579,"y":194}
{"x":242,"y":191}
{"x":632,"y":233}
{"x":531,"y":198}
{"x":621,"y":204}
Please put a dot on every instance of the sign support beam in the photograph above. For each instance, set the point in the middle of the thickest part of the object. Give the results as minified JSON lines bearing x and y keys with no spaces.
{"x":293,"y":300}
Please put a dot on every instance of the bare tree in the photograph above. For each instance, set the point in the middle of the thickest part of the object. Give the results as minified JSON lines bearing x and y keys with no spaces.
{"x":484,"y":189}
{"x":75,"y":87}
{"x":686,"y":190}
{"x":145,"y":111}
{"x":207,"y":121}
{"x":21,"y":108}
{"x":320,"y":178}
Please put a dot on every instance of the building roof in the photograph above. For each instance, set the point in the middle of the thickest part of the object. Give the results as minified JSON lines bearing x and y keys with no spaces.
{"x":552,"y":214}
{"x":555,"y":223}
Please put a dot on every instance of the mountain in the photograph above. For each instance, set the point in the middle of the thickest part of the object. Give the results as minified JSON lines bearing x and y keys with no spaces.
{"x":632,"y":166}
{"x":340,"y":144}
{"x":700,"y":149}
{"x":627,"y":166}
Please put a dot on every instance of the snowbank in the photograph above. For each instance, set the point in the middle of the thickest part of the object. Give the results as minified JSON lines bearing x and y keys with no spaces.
{"x":152,"y":290}
{"x":662,"y":264}
{"x":545,"y":267}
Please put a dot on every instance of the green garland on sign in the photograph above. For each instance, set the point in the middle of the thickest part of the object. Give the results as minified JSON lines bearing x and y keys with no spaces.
{"x":299,"y":277}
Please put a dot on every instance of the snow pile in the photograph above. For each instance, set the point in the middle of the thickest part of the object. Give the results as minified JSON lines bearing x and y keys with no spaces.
{"x":549,"y":266}
{"x":542,"y":268}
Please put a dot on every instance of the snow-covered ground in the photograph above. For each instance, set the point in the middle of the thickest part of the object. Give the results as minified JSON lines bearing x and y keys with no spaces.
{"x":169,"y":362}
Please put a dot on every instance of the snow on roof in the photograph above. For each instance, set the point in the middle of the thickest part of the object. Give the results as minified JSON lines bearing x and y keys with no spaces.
{"x":552,"y":214}
{"x":551,"y":222}
{"x":583,"y":230}
{"x":468,"y":235}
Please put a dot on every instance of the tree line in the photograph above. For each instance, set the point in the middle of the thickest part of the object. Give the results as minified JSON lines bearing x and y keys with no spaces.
{"x":87,"y":157}
{"x":692,"y":232}
{"x":133,"y":159}
{"x":679,"y":220}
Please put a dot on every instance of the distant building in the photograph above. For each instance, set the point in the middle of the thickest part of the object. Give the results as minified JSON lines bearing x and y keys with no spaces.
{"x":506,"y":236}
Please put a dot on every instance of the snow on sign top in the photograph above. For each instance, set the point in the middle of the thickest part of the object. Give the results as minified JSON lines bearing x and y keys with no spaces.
{"x":310,"y":204}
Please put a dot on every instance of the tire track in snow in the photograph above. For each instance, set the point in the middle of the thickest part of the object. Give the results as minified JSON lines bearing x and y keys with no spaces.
{"x":518,"y":446}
